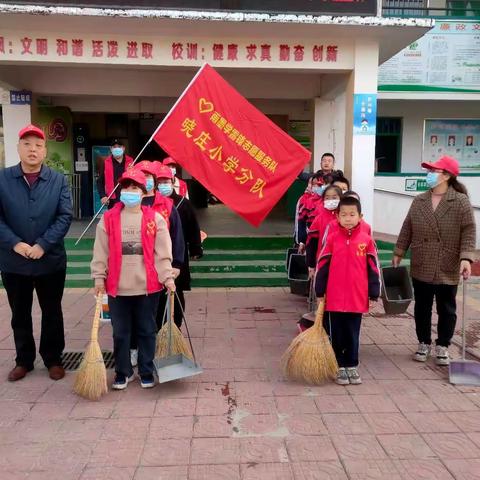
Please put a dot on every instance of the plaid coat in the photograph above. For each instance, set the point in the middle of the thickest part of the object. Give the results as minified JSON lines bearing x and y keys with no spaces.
{"x":438,"y":239}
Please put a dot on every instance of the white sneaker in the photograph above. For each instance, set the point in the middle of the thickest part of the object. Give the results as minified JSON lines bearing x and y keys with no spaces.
{"x":422,"y":353}
{"x":121,"y":381}
{"x":342,"y":377}
{"x":134,"y":357}
{"x":353,"y":376}
{"x":443,"y":358}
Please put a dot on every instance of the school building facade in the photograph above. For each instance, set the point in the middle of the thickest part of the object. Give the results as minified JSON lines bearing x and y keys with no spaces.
{"x":107,"y":69}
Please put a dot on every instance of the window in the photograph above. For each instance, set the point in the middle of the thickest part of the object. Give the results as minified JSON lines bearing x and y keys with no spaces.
{"x":388,"y":144}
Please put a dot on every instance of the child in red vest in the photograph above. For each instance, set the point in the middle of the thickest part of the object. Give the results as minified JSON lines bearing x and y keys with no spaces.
{"x":309,"y":205}
{"x":132,"y":259}
{"x":179,"y":185}
{"x":164,"y":206}
{"x":347,"y":276}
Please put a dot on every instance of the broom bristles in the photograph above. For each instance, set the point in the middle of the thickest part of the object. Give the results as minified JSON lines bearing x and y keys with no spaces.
{"x":179,"y":343}
{"x":310,"y":356}
{"x":91,"y":379}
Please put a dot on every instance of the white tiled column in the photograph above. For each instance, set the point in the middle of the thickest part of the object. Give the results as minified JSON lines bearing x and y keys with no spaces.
{"x":360,"y":146}
{"x":15,"y":117}
{"x":329,"y":129}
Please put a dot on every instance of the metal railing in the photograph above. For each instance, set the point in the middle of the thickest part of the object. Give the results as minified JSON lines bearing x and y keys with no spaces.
{"x":74,"y":180}
{"x":431,"y":8}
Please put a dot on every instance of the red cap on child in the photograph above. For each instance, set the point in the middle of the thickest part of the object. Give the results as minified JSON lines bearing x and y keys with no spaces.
{"x":169,"y":161}
{"x":147,"y":167}
{"x":164,"y":172}
{"x":134,"y":174}
{"x":446,"y":163}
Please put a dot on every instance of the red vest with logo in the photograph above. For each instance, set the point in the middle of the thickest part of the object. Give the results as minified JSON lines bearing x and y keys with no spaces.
{"x":182,"y":187}
{"x":108,"y":172}
{"x":113,"y":227}
{"x":348,"y":256}
{"x":163,"y":206}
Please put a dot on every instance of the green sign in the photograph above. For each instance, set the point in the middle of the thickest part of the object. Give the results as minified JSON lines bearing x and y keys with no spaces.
{"x":415,"y":185}
{"x":56,"y":122}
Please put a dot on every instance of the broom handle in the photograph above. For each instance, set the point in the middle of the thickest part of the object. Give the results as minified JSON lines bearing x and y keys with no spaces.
{"x":319,"y":316}
{"x":186,"y":327}
{"x":96,"y":317}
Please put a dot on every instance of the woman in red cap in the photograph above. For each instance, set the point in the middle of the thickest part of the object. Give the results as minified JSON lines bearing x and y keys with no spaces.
{"x":440,"y":231}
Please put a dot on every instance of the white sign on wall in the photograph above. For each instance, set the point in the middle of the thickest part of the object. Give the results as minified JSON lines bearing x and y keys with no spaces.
{"x":447,"y":58}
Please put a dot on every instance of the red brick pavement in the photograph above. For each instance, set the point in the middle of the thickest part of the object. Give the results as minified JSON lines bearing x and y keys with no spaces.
{"x":241,"y":419}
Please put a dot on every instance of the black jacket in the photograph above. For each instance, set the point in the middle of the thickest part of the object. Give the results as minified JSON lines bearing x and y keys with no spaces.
{"x":191,"y":235}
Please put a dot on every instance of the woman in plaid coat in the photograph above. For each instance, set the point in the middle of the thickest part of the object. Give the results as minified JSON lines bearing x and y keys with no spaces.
{"x":440,"y":231}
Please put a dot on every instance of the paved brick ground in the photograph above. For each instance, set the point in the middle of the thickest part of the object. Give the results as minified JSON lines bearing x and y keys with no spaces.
{"x":240,"y":419}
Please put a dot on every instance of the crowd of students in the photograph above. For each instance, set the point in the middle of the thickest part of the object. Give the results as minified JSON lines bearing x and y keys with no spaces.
{"x":339,"y":250}
{"x":141,"y":255}
{"x":342,"y":259}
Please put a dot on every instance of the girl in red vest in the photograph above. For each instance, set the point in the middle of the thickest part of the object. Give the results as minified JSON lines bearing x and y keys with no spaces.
{"x":164,"y":206}
{"x":179,"y":185}
{"x":347,"y":276}
{"x":132,"y":258}
{"x":113,"y":168}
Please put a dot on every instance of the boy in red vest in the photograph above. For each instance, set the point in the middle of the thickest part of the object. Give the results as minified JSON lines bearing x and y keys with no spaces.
{"x":347,"y":276}
{"x":113,"y":168}
{"x":132,"y":259}
{"x":179,"y":185}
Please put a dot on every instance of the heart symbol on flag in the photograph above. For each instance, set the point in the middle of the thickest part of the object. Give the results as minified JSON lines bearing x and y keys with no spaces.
{"x":205,"y":106}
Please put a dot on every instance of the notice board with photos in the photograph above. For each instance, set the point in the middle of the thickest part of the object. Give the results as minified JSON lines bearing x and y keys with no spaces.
{"x":459,"y":138}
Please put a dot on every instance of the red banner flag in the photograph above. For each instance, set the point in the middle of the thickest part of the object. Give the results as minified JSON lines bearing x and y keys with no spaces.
{"x":230,"y":147}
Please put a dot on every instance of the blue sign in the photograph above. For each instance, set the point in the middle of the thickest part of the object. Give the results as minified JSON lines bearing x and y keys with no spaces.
{"x":364,"y":113}
{"x":21,"y":97}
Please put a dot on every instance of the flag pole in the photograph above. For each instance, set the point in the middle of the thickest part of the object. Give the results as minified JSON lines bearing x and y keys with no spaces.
{"x":143,"y":149}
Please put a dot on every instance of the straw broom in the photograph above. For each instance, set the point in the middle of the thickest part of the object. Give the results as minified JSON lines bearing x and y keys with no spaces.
{"x":91,"y":379}
{"x":310,"y":356}
{"x":178,"y":342}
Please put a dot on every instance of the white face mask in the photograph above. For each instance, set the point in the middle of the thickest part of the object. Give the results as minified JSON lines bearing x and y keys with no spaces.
{"x":331,"y":204}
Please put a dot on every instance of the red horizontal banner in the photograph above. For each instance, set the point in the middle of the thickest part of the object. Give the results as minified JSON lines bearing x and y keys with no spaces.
{"x":230,"y":147}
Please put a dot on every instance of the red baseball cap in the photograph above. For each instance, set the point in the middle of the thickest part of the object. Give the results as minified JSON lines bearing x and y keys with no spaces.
{"x":31,"y":130}
{"x":164,"y":172}
{"x":446,"y":163}
{"x":147,"y":167}
{"x":169,"y":161}
{"x":134,"y":174}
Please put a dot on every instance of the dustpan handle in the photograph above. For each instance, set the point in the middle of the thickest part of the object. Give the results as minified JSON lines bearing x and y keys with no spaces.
{"x":96,"y":317}
{"x":171,"y":306}
{"x":464,"y":300}
{"x":188,"y":331}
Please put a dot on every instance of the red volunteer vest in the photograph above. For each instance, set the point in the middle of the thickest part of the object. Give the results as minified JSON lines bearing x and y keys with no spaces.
{"x":108,"y":172}
{"x":347,"y":287}
{"x":163,"y":206}
{"x":182,"y":187}
{"x":113,"y":227}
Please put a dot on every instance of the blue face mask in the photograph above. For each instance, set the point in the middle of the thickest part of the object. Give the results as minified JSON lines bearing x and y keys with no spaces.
{"x":130,"y":199}
{"x":117,"y":151}
{"x":150,"y":184}
{"x":165,"y":189}
{"x":432,"y":179}
{"x":319,"y":189}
